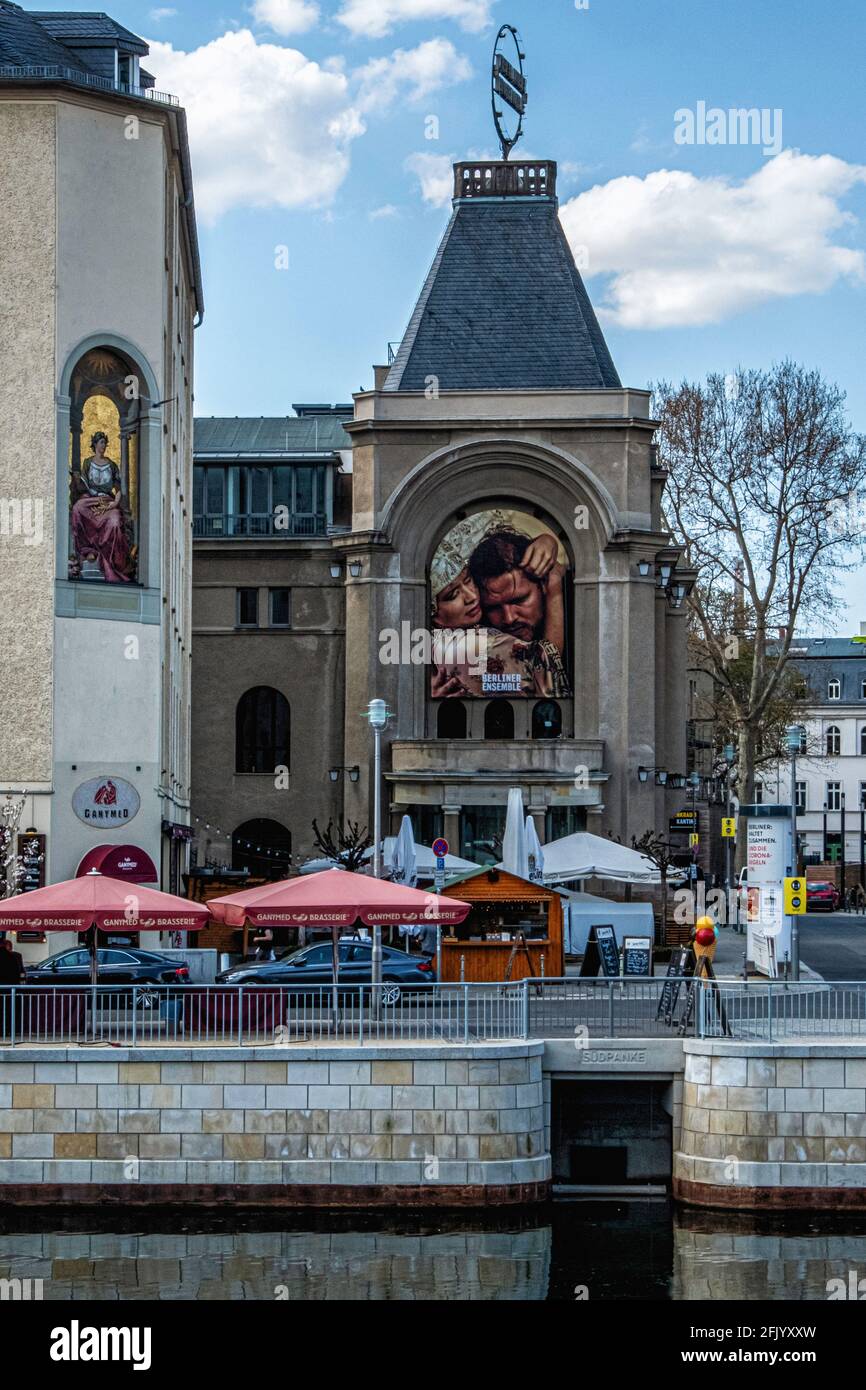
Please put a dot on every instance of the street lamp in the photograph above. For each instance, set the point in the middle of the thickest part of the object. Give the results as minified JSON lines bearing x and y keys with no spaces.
{"x":794,"y":735}
{"x":378,"y":715}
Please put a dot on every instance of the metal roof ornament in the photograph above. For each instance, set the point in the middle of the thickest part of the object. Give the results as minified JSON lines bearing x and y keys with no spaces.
{"x":508,"y":88}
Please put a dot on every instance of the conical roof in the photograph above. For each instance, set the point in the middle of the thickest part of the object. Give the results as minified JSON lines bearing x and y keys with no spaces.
{"x":503,"y":306}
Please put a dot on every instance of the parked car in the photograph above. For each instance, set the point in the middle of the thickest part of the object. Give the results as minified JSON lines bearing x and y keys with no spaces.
{"x":821,"y":896}
{"x":116,"y":965}
{"x":313,"y":966}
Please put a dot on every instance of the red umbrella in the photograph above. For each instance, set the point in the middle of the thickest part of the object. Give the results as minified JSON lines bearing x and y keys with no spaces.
{"x":334,"y":898}
{"x":96,"y":900}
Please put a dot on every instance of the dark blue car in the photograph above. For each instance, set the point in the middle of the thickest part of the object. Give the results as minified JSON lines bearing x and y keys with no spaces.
{"x":313,"y":965}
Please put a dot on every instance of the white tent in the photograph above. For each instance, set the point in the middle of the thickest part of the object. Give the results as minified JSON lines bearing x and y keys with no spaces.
{"x":425,"y":859}
{"x":404,"y":861}
{"x":534,"y":852}
{"x":580,"y":911}
{"x":590,"y":856}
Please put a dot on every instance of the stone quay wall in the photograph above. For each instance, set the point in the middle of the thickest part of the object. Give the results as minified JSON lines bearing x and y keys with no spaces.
{"x":318,"y":1126}
{"x":780,"y":1126}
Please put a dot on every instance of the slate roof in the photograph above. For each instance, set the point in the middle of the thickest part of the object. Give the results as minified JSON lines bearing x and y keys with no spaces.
{"x":25,"y":43}
{"x":831,"y":658}
{"x":503,"y":307}
{"x":94,"y":28}
{"x":221,"y":436}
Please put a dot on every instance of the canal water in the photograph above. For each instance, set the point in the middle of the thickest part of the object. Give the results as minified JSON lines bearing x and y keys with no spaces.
{"x":600,"y":1250}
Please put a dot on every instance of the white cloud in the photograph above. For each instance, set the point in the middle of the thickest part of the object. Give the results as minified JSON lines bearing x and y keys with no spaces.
{"x":286,"y":16}
{"x":374,"y":18}
{"x":387,"y":210}
{"x":683,"y":250}
{"x":268,"y":127}
{"x":435,"y":175}
{"x":417,"y":71}
{"x":163,"y":12}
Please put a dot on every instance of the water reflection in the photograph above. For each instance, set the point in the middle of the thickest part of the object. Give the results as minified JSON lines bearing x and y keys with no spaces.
{"x":601,"y":1250}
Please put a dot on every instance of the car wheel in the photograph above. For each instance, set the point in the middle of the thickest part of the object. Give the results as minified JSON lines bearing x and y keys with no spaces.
{"x":391,"y":995}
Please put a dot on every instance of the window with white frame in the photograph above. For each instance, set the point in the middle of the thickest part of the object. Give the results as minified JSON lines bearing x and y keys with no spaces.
{"x":834,"y":796}
{"x":834,"y":689}
{"x":833,"y":741}
{"x":863,"y":689}
{"x":863,"y":742}
{"x":800,"y":794}
{"x":863,"y":796}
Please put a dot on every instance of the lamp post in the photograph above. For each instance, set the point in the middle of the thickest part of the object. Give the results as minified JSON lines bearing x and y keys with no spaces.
{"x":843,"y":898}
{"x":794,"y":736}
{"x":377,"y":713}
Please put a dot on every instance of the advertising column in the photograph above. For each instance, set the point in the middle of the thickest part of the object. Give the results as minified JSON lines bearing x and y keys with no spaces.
{"x":768,"y":860}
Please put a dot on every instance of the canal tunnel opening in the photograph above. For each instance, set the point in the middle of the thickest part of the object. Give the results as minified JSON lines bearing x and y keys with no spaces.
{"x":610,"y":1133}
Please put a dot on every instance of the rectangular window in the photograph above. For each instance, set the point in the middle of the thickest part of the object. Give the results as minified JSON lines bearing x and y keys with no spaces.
{"x":280,"y":607}
{"x":834,"y":796}
{"x":248,"y":607}
{"x":863,"y":796}
{"x":801,"y":798}
{"x":759,"y":793}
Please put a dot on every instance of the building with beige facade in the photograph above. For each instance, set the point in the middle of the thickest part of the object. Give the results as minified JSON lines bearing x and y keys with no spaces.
{"x":481,"y":546}
{"x":100,"y":288}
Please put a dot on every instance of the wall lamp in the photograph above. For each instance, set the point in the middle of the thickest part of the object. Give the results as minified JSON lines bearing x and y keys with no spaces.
{"x":677,"y":779}
{"x":354,"y":773}
{"x":677,"y":594}
{"x":336,"y":569}
{"x":661,"y":775}
{"x":663,"y":573}
{"x":643,"y":567}
{"x":355,"y":568}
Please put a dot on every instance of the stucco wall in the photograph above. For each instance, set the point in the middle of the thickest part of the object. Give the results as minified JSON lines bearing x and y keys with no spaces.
{"x":27,"y":435}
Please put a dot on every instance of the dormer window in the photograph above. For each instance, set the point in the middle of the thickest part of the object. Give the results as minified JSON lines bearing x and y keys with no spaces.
{"x":834,"y":689}
{"x":127,"y":71}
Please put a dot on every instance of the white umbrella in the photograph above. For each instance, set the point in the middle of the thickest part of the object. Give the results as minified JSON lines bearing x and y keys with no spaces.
{"x":515,"y":858}
{"x":534,"y":852}
{"x":590,"y":856}
{"x":404,"y":864}
{"x":425,"y":859}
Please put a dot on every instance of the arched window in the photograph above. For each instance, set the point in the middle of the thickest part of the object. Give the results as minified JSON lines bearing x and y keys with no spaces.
{"x":499,"y":720}
{"x":833,"y":740}
{"x":106,"y":400}
{"x":263,"y":848}
{"x":451,"y":719}
{"x":262,"y":729}
{"x":863,"y":742}
{"x":546,"y":720}
{"x":834,"y":689}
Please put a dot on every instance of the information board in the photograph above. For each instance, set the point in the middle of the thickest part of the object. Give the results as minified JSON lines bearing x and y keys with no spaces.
{"x":637,"y":955}
{"x":601,"y":950}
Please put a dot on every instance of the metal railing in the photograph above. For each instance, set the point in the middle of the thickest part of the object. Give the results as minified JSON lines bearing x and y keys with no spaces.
{"x":220,"y":526}
{"x":247,"y":1015}
{"x":55,"y":72}
{"x":239,"y":1015}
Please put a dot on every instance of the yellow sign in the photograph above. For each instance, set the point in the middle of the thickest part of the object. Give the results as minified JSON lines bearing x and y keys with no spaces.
{"x":694,"y":839}
{"x":795,"y":895}
{"x":729,"y":827}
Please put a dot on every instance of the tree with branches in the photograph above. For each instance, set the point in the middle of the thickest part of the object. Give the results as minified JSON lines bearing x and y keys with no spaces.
{"x":762,"y":469}
{"x":11,"y":864}
{"x":661,"y":853}
{"x":346,"y":843}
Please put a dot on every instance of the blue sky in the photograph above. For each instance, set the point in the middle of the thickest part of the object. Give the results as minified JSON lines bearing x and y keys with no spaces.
{"x":308,"y":121}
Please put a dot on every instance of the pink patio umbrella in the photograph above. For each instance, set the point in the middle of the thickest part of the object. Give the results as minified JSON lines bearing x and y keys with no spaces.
{"x":335,"y":899}
{"x":107,"y":904}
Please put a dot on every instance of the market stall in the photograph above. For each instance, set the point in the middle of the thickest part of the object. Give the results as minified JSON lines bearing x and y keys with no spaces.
{"x":513,"y":929}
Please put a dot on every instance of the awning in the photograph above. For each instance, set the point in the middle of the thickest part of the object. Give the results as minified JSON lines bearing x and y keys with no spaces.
{"x":126,"y":862}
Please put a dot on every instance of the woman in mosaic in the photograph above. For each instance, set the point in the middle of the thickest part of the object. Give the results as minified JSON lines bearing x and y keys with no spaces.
{"x":101,"y":523}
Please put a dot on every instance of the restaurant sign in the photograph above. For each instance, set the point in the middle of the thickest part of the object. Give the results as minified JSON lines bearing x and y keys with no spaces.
{"x":105,"y":801}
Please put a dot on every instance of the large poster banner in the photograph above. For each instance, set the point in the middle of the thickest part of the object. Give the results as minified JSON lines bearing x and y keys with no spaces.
{"x":498,"y":586}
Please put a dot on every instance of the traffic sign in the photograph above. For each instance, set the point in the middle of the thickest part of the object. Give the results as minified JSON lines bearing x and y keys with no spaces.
{"x":440,"y":848}
{"x":729,"y":827}
{"x":694,"y":839}
{"x":795,"y":896}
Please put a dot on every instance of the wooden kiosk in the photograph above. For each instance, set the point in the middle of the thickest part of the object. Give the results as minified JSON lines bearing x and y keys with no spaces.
{"x":513,"y":930}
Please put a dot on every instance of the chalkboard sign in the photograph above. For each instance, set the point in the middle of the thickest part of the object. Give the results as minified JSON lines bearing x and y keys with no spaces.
{"x":682,"y":962}
{"x":637,"y":955}
{"x":601,"y":950}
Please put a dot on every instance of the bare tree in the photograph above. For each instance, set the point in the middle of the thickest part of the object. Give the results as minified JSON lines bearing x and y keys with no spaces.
{"x":661,"y":853}
{"x":763,"y":468}
{"x":346,"y":844}
{"x":11,"y":864}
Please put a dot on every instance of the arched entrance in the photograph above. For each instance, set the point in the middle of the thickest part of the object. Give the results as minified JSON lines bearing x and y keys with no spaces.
{"x":264,"y":848}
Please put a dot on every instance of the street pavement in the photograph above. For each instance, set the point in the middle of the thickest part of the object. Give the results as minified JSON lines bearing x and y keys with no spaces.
{"x":833,"y":944}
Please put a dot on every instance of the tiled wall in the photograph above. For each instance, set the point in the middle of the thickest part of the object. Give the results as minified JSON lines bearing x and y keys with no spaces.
{"x":790,"y":1116}
{"x":398,"y":1115}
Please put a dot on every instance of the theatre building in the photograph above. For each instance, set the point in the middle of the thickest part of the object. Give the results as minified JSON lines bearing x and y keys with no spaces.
{"x":478,"y":542}
{"x":100,"y":281}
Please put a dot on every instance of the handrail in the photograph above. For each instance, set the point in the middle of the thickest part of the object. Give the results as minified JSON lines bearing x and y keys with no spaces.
{"x":55,"y":72}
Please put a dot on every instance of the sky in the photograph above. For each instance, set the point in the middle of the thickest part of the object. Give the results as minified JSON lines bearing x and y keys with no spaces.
{"x":323,"y":131}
